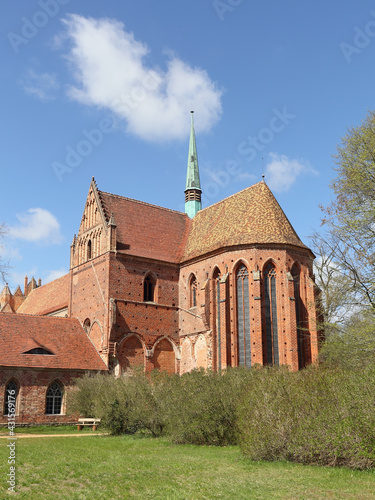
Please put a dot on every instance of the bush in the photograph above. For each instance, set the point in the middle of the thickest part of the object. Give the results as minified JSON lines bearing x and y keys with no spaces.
{"x":316,"y":416}
{"x":124,"y":405}
{"x":319,"y":415}
{"x":201,"y":407}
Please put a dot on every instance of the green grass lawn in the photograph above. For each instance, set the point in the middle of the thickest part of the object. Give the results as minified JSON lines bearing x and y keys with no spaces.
{"x":145,"y":468}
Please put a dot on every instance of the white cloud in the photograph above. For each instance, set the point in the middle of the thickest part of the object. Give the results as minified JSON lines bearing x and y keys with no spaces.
{"x":10,"y":252}
{"x":246,"y":176}
{"x":43,"y":86}
{"x":53,"y":275}
{"x":37,"y":225}
{"x":111,"y":71}
{"x":282,"y":172}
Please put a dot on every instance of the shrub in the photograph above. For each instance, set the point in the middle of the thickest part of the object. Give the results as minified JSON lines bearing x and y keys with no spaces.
{"x":201,"y":407}
{"x":319,"y":415}
{"x":316,"y":416}
{"x":124,"y":405}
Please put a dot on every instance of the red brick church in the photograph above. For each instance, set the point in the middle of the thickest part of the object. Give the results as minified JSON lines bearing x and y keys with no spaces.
{"x":228,"y":285}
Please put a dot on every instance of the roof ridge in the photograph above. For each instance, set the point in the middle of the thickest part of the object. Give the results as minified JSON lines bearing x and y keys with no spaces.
{"x":143,"y":203}
{"x":49,"y":282}
{"x":40,"y":316}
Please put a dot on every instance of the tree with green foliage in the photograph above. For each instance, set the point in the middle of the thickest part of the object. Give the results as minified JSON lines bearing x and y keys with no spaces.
{"x":350,"y":218}
{"x":353,"y":344}
{"x":345,"y":249}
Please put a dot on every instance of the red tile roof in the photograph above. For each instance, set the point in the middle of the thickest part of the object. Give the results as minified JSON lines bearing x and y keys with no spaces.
{"x":65,"y":338}
{"x":147,"y":230}
{"x":47,"y":298}
{"x":252,"y":216}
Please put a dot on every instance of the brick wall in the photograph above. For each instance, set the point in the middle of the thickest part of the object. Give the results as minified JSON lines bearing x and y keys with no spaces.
{"x":255,"y":260}
{"x":31,"y":401}
{"x":109,"y":290}
{"x":89,"y":300}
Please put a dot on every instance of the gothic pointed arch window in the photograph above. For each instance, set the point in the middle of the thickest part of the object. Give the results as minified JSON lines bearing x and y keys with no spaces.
{"x":243,"y":316}
{"x":271,"y":351}
{"x":86,"y":325}
{"x":11,"y":397}
{"x":89,"y":250}
{"x":54,"y":399}
{"x":303,"y":337}
{"x":217,"y":301}
{"x":192,"y":291}
{"x":148,"y":289}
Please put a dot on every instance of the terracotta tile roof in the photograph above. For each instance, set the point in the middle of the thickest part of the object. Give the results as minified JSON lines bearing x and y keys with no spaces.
{"x":47,"y":298}
{"x":249,"y":217}
{"x":64,"y":337}
{"x":147,"y":230}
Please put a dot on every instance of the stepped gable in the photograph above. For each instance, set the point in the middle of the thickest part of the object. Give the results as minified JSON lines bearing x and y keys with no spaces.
{"x":146,"y":230}
{"x":252,"y":216}
{"x":65,"y":338}
{"x":48,"y":298}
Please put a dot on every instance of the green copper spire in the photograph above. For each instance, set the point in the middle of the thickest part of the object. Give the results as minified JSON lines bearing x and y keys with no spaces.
{"x":193,"y":186}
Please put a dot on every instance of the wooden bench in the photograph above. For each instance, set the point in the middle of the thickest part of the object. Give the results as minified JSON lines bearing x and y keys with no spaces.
{"x":93,"y":422}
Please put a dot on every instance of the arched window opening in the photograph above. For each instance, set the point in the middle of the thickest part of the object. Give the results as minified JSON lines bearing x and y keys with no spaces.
{"x":89,"y":250}
{"x":54,"y":399}
{"x":131,"y":355}
{"x":193,"y":291}
{"x":217,"y":302}
{"x":270,"y":305}
{"x":164,"y":358}
{"x":148,"y":289}
{"x":303,"y":336}
{"x":11,"y":396}
{"x":86,"y":325}
{"x":243,"y":317}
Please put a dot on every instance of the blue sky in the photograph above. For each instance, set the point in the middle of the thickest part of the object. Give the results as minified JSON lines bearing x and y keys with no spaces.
{"x":104,"y":89}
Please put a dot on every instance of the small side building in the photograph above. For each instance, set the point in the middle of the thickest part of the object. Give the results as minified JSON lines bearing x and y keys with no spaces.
{"x":40,"y":357}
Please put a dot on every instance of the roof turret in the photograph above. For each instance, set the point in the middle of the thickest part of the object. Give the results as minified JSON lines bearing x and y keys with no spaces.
{"x":193,"y":186}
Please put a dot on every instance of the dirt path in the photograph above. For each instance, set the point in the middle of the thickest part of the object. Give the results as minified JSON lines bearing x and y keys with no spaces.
{"x":20,"y":435}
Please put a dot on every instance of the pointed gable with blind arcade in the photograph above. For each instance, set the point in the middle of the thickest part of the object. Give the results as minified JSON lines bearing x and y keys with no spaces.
{"x":95,"y":232}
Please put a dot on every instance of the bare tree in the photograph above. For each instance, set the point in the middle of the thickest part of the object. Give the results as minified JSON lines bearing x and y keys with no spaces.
{"x":338,"y":290}
{"x":4,"y":265}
